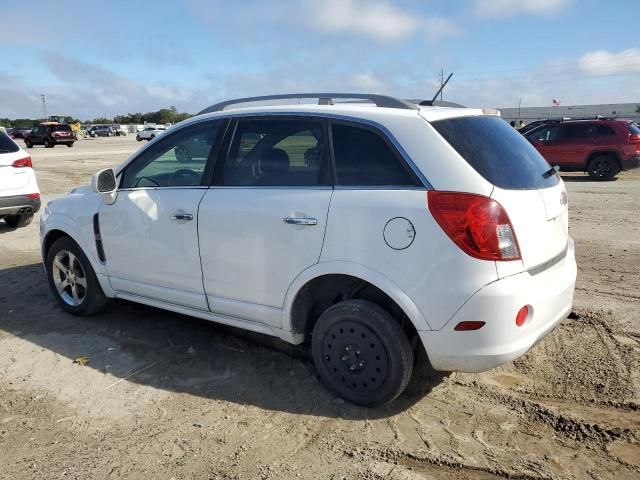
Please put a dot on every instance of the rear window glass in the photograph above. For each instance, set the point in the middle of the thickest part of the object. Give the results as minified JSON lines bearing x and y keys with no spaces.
{"x":60,"y":128}
{"x":6,"y":144}
{"x":497,"y":152}
{"x":634,"y":128}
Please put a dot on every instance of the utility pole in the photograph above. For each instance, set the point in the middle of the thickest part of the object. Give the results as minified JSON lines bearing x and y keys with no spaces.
{"x":519,"y":103}
{"x":44,"y":106}
{"x":441,"y":82}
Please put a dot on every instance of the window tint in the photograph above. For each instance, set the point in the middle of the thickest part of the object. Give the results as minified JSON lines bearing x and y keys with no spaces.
{"x":604,"y":130}
{"x":6,"y":144}
{"x":497,"y":152}
{"x":177,"y":160}
{"x":60,"y":128}
{"x":276,"y":152}
{"x":578,"y":131}
{"x":363,"y":158}
{"x":544,"y":134}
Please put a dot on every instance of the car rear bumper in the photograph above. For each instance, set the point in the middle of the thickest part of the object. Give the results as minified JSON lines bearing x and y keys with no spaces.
{"x":549,"y":295}
{"x":18,"y":204}
{"x":629,"y":163}
{"x":64,"y":140}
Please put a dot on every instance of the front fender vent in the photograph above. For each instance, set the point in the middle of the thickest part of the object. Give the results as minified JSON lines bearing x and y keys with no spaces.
{"x":98,"y":238}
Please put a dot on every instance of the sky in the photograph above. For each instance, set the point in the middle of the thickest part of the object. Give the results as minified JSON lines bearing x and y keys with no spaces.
{"x":93,"y":59}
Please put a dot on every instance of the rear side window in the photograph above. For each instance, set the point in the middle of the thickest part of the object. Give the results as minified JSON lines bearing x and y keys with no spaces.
{"x":6,"y":144}
{"x":605,"y":130}
{"x":497,"y":152}
{"x":276,"y":152}
{"x":578,"y":131}
{"x":363,"y":158}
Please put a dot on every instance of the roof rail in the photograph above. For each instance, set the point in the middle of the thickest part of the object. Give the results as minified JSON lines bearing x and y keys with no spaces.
{"x":323,"y":99}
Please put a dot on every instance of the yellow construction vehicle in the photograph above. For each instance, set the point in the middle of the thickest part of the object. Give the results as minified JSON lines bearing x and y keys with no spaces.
{"x":75,"y":127}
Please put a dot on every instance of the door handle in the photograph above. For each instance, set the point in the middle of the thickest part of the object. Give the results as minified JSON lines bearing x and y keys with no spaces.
{"x":182,"y":216}
{"x":301,"y":221}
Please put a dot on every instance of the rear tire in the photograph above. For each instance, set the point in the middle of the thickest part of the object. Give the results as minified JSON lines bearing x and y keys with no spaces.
{"x":18,"y":221}
{"x":70,"y":145}
{"x":48,"y":143}
{"x":603,"y":167}
{"x":72,"y":279}
{"x":28,"y":143}
{"x":361,"y":353}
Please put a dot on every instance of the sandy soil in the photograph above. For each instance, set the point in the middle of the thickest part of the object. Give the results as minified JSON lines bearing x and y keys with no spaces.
{"x":165,"y":396}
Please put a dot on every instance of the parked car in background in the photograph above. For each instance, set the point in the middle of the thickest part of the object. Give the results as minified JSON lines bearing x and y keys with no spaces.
{"x":362,"y":231}
{"x":18,"y":132}
{"x":600,"y":147}
{"x":19,"y":193}
{"x":50,"y":135}
{"x":119,"y":130}
{"x":149,"y":133}
{"x":101,"y":131}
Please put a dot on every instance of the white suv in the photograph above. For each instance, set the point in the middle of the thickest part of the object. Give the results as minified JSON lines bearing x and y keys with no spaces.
{"x":362,"y":229}
{"x":149,"y":133}
{"x":19,"y":194}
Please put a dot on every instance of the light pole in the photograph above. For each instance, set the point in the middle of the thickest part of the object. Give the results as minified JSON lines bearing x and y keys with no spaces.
{"x":44,"y":106}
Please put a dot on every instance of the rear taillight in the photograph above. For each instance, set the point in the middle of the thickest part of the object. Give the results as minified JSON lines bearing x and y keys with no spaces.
{"x":22,"y":163}
{"x":478,"y":225}
{"x":634,"y":138}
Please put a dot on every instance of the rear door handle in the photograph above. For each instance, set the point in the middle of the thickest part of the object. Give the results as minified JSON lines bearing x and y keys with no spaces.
{"x":182,"y":216}
{"x":301,"y":221}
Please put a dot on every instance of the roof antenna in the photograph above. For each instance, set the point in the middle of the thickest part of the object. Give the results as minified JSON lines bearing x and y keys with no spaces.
{"x":429,"y":103}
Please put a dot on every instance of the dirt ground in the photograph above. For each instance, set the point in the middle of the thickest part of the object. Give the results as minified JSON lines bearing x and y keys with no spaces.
{"x":165,"y":396}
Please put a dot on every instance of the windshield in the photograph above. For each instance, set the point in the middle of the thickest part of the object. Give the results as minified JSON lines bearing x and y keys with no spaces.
{"x":497,"y":152}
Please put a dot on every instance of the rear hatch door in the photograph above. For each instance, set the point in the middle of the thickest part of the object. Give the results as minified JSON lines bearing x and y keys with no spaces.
{"x":11,"y":178}
{"x":532,"y":194}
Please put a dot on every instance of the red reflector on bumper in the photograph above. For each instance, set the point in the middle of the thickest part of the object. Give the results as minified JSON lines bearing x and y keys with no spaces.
{"x":522,"y":316}
{"x":469,"y":325}
{"x":33,"y":195}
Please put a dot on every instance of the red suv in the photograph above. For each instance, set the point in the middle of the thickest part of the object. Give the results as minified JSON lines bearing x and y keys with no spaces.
{"x":601,"y":147}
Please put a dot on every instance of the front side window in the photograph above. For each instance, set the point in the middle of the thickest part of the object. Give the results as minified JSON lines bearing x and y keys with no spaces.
{"x":544,"y":134}
{"x":178,"y":160}
{"x":363,"y":158}
{"x":276,"y":152}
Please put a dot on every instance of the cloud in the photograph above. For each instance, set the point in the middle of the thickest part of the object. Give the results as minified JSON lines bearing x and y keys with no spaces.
{"x":603,"y":62}
{"x":379,"y":20}
{"x":509,"y":8}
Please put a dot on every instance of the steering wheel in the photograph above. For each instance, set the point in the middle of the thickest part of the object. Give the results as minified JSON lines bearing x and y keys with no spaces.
{"x":181,"y":177}
{"x":183,"y":155}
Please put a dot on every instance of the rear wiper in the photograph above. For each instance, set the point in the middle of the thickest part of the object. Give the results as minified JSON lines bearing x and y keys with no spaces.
{"x":552,"y":171}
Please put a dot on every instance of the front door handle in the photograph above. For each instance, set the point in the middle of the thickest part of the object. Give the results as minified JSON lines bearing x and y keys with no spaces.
{"x":301,"y":221}
{"x":182,"y":216}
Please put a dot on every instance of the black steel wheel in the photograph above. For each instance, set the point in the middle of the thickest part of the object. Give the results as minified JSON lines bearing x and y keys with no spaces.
{"x":361,"y":353}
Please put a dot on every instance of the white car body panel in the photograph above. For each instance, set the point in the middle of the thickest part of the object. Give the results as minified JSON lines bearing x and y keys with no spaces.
{"x":16,"y":181}
{"x":243,"y":236}
{"x":149,"y":254}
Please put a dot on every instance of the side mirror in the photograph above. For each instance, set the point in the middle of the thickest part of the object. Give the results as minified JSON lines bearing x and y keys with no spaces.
{"x":104,"y":181}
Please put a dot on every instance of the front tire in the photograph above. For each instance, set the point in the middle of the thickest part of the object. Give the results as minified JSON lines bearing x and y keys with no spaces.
{"x":72,"y":279}
{"x":28,"y":143}
{"x":138,"y":138}
{"x":362,"y":353}
{"x":18,"y":221}
{"x":603,"y":167}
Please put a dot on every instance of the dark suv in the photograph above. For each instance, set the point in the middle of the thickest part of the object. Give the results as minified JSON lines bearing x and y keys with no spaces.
{"x":601,"y":147}
{"x":50,"y":135}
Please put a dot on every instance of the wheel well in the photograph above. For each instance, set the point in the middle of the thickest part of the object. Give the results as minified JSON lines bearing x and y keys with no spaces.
{"x":51,"y":237}
{"x":609,"y":153}
{"x":320,"y":293}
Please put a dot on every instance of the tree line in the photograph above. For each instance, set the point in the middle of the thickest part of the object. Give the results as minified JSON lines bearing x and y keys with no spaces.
{"x":164,"y":115}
